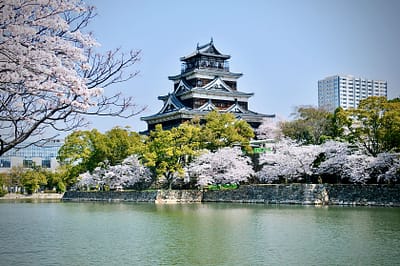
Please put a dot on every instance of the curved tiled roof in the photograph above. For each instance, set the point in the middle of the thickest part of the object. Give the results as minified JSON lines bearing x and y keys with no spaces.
{"x":207,"y":50}
{"x":172,"y":104}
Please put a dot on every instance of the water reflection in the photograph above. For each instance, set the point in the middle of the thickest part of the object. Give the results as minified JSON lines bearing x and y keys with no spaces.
{"x":196,"y":234}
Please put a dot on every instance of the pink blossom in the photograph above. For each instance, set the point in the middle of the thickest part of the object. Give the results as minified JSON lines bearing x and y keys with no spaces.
{"x":225,"y":166}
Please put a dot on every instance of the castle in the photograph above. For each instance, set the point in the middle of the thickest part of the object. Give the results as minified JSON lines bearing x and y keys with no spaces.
{"x":204,"y":84}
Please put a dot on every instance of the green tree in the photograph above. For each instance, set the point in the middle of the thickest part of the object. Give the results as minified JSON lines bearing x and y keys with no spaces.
{"x":13,"y":178}
{"x":297,"y":130}
{"x":60,"y":179}
{"x":2,"y":179}
{"x":168,"y":151}
{"x":338,"y":122}
{"x":391,"y":124}
{"x":85,"y":150}
{"x":376,"y":124}
{"x":32,"y":179}
{"x":120,"y":143}
{"x":310,"y":126}
{"x":224,"y":130}
{"x":81,"y":152}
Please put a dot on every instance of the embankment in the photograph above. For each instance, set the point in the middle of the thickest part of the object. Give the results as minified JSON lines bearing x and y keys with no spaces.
{"x":34,"y":196}
{"x":305,"y":194}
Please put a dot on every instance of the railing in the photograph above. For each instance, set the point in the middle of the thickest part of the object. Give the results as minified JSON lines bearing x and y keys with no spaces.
{"x":205,"y":65}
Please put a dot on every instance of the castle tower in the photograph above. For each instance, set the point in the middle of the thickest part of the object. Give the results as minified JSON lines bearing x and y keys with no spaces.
{"x":204,"y":84}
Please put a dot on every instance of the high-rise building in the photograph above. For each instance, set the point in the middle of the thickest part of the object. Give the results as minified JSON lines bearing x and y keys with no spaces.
{"x":346,"y":91}
{"x":204,"y":84}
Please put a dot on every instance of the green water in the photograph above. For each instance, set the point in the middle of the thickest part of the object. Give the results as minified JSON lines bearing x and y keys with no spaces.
{"x":196,"y":234}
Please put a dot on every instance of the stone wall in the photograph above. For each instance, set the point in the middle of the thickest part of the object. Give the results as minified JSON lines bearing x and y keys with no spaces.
{"x":375,"y":195}
{"x":179,"y":196}
{"x":306,"y":194}
{"x":134,"y":196}
{"x":271,"y":194}
{"x":159,"y":196}
{"x":34,"y":196}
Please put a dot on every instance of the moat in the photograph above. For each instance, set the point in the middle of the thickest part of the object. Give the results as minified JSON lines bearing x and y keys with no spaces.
{"x":98,"y":233}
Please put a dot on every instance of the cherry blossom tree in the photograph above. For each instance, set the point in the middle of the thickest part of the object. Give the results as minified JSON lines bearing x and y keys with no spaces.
{"x":331,"y":161}
{"x":50,"y":74}
{"x":392,"y":175}
{"x":289,"y":161}
{"x":270,"y":128}
{"x":224,"y":166}
{"x":130,"y":173}
{"x":87,"y":181}
{"x":95,"y":179}
{"x":386,"y":168}
{"x":340,"y":163}
{"x":356,"y":168}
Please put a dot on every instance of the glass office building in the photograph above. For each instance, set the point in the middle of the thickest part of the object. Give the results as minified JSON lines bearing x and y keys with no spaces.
{"x":43,"y":155}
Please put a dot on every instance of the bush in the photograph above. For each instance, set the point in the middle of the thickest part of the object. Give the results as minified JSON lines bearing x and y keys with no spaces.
{"x":3,"y":192}
{"x":222,"y":187}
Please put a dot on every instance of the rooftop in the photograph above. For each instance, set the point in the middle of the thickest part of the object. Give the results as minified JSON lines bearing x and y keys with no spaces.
{"x":207,"y":50}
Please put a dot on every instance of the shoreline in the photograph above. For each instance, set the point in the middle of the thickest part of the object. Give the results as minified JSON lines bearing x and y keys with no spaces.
{"x":275,"y":194}
{"x":35,"y":196}
{"x":293,"y":194}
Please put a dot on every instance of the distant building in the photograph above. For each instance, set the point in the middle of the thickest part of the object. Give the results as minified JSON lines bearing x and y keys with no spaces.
{"x":204,"y":84}
{"x":44,"y":155}
{"x":346,"y":91}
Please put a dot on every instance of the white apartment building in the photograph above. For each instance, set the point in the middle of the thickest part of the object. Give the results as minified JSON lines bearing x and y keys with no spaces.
{"x":346,"y":91}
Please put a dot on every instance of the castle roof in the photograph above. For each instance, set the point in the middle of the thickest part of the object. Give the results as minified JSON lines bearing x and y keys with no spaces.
{"x":185,"y":112}
{"x":171,"y":103}
{"x":215,"y":87}
{"x":205,"y":71}
{"x":207,"y":50}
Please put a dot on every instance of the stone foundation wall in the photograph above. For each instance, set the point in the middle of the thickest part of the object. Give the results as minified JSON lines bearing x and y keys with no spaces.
{"x":310,"y":194}
{"x":34,"y":196}
{"x":374,"y":195}
{"x":306,"y":194}
{"x":134,"y":196}
{"x":179,"y":196}
{"x":159,"y":196}
{"x":271,"y":194}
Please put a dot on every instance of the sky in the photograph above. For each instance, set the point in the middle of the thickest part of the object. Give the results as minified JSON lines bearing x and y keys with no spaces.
{"x":282,"y":47}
